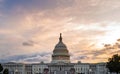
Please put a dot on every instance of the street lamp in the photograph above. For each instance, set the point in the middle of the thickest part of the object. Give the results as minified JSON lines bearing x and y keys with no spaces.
{"x":90,"y":70}
{"x":16,"y":71}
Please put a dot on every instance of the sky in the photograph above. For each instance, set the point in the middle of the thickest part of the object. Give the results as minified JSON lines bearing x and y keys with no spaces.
{"x":29,"y":29}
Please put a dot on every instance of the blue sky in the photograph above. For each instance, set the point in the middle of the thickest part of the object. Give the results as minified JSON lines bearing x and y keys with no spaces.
{"x":29,"y":29}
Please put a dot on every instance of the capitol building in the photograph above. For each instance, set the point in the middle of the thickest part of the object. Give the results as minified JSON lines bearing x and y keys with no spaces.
{"x":60,"y":64}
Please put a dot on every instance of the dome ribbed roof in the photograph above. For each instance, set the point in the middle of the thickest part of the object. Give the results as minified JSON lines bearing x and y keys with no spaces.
{"x":60,"y":47}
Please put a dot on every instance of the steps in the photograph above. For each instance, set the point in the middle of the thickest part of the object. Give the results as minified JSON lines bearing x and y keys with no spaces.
{"x":60,"y":72}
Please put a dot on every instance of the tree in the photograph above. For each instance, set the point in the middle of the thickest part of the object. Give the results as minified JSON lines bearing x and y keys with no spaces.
{"x":6,"y":71}
{"x":1,"y":68}
{"x":113,"y":63}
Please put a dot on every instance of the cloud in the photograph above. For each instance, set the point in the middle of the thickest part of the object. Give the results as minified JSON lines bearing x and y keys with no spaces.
{"x":28,"y":43}
{"x":115,"y":46}
{"x":28,"y":58}
{"x":82,"y":57}
{"x":30,"y":26}
{"x":82,"y":11}
{"x":101,"y":54}
{"x":118,"y":40}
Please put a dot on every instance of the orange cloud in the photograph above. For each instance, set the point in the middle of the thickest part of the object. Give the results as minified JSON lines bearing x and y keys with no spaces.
{"x":84,"y":23}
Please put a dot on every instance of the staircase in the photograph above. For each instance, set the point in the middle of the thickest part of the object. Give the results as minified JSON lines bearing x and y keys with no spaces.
{"x":60,"y":72}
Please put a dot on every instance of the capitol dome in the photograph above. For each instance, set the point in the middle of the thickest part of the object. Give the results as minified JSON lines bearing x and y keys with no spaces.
{"x":60,"y":52}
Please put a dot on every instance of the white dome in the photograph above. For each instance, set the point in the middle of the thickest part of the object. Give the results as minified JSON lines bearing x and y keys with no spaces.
{"x":60,"y":48}
{"x":60,"y":52}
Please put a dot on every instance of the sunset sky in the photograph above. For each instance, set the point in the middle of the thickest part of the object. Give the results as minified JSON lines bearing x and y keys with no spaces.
{"x":29,"y":29}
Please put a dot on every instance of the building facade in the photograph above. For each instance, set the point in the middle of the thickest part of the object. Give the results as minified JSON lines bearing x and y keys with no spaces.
{"x":15,"y":68}
{"x":28,"y":69}
{"x":60,"y":64}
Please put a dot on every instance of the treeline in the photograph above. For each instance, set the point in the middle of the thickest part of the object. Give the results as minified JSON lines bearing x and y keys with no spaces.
{"x":113,"y":64}
{"x":3,"y":71}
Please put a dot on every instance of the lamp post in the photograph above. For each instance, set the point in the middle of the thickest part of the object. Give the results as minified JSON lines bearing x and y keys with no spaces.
{"x":90,"y":70}
{"x":16,"y":71}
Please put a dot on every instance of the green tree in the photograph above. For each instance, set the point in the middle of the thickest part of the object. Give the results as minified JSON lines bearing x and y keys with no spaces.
{"x":1,"y":68}
{"x":6,"y":71}
{"x":113,"y":63}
